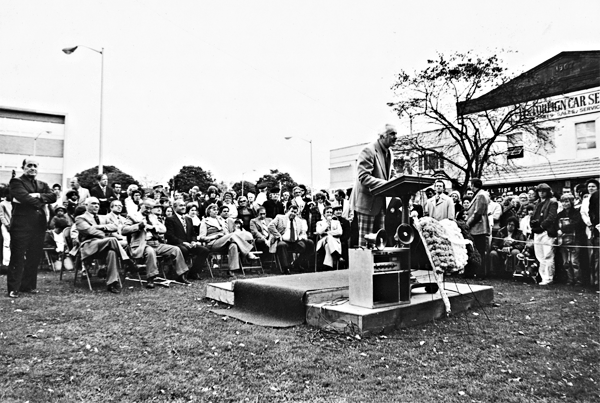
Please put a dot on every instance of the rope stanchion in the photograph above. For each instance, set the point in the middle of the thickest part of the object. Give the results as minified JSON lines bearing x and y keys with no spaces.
{"x":531,"y":242}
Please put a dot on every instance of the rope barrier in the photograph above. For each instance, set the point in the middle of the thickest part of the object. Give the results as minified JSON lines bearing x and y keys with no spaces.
{"x":531,"y":242}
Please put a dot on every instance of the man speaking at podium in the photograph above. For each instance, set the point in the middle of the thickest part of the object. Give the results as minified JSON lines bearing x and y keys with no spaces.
{"x":374,"y":168}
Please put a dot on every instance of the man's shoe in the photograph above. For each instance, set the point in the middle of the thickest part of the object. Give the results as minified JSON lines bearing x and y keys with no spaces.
{"x":114,"y":288}
{"x":193,"y":276}
{"x":296,"y":265}
{"x":13,"y":294}
{"x":150,"y":283}
{"x":34,"y":291}
{"x":183,"y":280}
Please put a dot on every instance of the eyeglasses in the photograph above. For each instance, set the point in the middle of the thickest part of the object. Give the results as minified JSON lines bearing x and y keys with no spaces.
{"x":31,"y":165}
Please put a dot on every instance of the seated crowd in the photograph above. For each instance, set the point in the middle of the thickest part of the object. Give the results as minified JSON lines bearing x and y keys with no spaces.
{"x":290,"y":228}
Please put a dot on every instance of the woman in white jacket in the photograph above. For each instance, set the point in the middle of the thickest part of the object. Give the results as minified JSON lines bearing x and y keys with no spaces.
{"x":330,"y":231}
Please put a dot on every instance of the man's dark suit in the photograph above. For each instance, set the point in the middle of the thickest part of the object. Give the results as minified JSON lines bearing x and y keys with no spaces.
{"x":177,"y":235}
{"x":105,"y":197}
{"x":27,"y":231}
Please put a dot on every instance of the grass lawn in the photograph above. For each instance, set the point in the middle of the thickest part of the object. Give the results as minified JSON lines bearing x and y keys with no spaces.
{"x":164,"y":345}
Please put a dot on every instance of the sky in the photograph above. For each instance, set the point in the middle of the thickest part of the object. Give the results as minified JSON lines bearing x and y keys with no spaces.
{"x":220,"y":84}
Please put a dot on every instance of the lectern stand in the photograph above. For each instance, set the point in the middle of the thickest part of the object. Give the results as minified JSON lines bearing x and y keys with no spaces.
{"x":382,"y":278}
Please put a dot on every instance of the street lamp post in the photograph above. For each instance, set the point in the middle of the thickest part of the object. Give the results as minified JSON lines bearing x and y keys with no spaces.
{"x":243,"y":173}
{"x":68,"y":51}
{"x":311,"y":158}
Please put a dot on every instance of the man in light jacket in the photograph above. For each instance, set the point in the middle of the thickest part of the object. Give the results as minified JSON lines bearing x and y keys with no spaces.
{"x":374,"y":168}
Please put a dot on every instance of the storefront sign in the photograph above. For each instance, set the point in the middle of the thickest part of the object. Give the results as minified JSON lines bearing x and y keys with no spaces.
{"x":569,"y":106}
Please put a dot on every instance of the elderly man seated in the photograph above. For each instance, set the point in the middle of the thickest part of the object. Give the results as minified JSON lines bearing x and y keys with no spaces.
{"x":289,"y":233}
{"x":144,"y":228}
{"x":96,"y":240}
{"x":259,"y":228}
{"x":115,"y":217}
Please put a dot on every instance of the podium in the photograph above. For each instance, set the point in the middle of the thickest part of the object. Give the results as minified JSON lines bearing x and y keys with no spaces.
{"x":382,"y":278}
{"x":403,"y":187}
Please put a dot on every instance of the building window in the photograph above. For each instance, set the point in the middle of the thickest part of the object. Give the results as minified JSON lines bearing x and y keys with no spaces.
{"x":546,"y":140}
{"x":586,"y":135}
{"x":514,"y":145}
{"x":431,"y":162}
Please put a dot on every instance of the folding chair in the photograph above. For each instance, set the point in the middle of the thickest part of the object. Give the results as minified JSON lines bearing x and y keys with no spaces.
{"x":48,"y":258}
{"x":294,"y":256}
{"x":140,"y":268}
{"x":87,"y":267}
{"x":258,"y":262}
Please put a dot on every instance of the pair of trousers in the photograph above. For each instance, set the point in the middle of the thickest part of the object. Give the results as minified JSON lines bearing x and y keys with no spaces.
{"x":26,"y":250}
{"x":234,"y":245}
{"x":305,"y":248}
{"x":570,"y":259}
{"x":368,"y":224}
{"x":108,"y":249}
{"x":503,"y":262}
{"x":544,"y":253}
{"x":481,"y":242}
{"x":199,"y":252}
{"x":5,"y":245}
{"x":152,"y":252}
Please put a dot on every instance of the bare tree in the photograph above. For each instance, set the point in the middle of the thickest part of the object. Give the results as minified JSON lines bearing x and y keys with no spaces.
{"x":471,"y":139}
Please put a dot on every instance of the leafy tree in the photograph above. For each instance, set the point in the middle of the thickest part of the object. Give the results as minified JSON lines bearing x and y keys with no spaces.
{"x":276,"y":178}
{"x":190,"y":176}
{"x":470,"y":145}
{"x":87,"y":178}
{"x":248,"y":187}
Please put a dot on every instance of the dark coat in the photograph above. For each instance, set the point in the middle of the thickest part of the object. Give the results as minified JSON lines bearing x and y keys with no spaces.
{"x":273,"y":208}
{"x":175,"y":234}
{"x":30,"y":211}
{"x":104,"y":198}
{"x":498,"y":241}
{"x":545,"y":214}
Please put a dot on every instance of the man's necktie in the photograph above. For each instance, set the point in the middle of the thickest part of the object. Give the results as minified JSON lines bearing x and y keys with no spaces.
{"x":292,"y":231}
{"x":97,"y":219}
{"x":183,"y":223}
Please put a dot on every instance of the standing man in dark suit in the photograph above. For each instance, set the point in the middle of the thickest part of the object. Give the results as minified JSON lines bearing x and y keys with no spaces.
{"x":180,"y":233}
{"x":479,"y":225}
{"x":375,"y":167}
{"x":28,"y":227}
{"x":103,"y":193}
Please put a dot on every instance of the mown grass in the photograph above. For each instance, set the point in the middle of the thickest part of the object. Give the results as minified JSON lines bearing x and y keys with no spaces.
{"x":164,"y":345}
